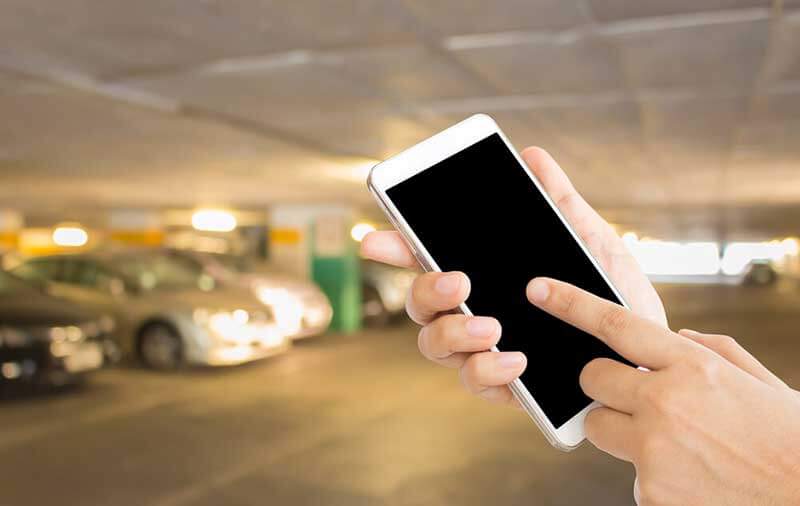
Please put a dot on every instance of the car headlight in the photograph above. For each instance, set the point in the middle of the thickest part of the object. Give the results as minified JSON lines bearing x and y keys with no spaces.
{"x":61,"y":349}
{"x":227,"y":325}
{"x":63,"y":340}
{"x":240,"y":327}
{"x":69,"y":333}
{"x":271,"y":296}
{"x":287,"y":309}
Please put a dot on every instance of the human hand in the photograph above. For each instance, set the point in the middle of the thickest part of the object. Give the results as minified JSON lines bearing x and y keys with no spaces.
{"x":707,"y":424}
{"x":458,"y":341}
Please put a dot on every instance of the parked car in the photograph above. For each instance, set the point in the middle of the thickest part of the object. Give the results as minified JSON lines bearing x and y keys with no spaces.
{"x":167,"y":315}
{"x":301,"y":309}
{"x":45,"y":340}
{"x":384,"y":290}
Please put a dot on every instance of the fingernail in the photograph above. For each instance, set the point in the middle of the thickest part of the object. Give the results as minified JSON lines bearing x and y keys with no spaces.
{"x":689,"y":332}
{"x":448,"y":284}
{"x":511,"y":360}
{"x":538,"y":290}
{"x":481,"y":326}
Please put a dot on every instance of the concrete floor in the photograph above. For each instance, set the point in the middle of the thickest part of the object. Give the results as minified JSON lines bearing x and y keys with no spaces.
{"x":357,"y":420}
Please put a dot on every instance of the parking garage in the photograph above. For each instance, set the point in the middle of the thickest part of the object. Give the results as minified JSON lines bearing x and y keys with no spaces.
{"x":185,"y":318}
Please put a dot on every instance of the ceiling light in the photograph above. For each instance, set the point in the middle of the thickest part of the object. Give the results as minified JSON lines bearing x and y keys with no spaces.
{"x":360,"y":230}
{"x":213,"y":220}
{"x":71,"y":236}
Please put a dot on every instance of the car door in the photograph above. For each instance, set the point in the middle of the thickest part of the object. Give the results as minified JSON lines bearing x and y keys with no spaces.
{"x":70,"y":278}
{"x":85,"y":282}
{"x":89,"y":283}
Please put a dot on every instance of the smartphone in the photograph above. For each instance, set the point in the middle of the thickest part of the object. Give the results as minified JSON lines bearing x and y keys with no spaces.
{"x":465,"y":201}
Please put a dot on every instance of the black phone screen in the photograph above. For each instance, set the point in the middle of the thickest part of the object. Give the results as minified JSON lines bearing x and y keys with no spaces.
{"x":479,"y":212}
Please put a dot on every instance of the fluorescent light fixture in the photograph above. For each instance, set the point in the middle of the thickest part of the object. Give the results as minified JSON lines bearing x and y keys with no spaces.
{"x":663,"y":258}
{"x":791,"y":246}
{"x":71,"y":236}
{"x":738,"y":255}
{"x":213,"y":220}
{"x":703,"y":258}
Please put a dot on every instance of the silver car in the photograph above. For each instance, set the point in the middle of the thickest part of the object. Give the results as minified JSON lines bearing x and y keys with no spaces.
{"x":301,"y":309}
{"x":166,"y":314}
{"x":384,"y":290}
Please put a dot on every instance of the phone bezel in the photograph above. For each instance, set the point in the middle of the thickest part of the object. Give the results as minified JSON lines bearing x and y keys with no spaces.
{"x":423,"y":156}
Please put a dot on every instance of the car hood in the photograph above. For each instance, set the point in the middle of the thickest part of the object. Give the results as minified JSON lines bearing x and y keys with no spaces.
{"x":227,"y":298}
{"x":33,"y":308}
{"x":291,"y":283}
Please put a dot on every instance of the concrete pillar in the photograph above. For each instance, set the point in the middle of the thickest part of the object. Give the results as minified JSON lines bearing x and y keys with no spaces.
{"x":136,"y":227}
{"x":314,"y":242}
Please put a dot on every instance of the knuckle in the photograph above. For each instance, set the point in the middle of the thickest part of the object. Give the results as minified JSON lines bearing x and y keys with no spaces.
{"x":437,"y":339}
{"x":651,"y":448}
{"x":411,"y":306}
{"x":707,"y":368}
{"x":469,"y":374}
{"x":613,"y":322}
{"x":662,"y":399}
{"x":423,"y":302}
{"x":568,"y":201}
{"x":651,"y":492}
{"x":725,"y":343}
{"x":592,"y":424}
{"x":419,"y":288}
{"x":496,"y":395}
{"x":424,"y":341}
{"x":567,"y":302}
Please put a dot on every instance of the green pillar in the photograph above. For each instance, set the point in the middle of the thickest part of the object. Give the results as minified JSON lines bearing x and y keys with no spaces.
{"x":314,"y":242}
{"x":335,"y":267}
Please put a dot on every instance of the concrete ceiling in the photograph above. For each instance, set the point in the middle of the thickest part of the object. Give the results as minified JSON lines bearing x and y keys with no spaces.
{"x":673,"y":117}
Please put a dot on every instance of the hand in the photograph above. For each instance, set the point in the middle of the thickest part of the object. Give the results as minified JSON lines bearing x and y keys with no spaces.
{"x":707,"y":424}
{"x":454,"y":340}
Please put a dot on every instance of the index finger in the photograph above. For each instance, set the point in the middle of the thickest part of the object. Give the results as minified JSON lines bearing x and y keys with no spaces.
{"x":388,"y":247}
{"x":641,"y":341}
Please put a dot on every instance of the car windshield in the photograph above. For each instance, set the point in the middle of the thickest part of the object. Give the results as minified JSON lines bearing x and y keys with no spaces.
{"x":10,"y":284}
{"x":160,"y":272}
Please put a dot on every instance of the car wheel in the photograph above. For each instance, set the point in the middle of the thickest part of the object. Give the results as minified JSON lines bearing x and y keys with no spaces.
{"x":373,"y":310}
{"x":160,"y":347}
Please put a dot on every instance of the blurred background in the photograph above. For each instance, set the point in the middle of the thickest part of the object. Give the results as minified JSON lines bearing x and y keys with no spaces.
{"x":183,"y":316}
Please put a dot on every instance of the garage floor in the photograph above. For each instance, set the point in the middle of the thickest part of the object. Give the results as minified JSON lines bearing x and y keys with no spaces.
{"x":356,"y":420}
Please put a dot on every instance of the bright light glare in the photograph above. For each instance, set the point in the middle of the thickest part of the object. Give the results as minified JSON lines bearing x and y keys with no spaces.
{"x":703,"y":258}
{"x":791,"y":246}
{"x":288,"y":309}
{"x":213,"y":220}
{"x":739,"y":254}
{"x":630,"y":238}
{"x":11,"y":370}
{"x":360,"y":230}
{"x":241,"y":317}
{"x":70,"y":236}
{"x":229,"y":327}
{"x":675,"y":259}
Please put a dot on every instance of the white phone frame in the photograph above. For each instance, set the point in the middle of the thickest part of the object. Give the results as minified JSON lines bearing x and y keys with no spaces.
{"x":423,"y":156}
